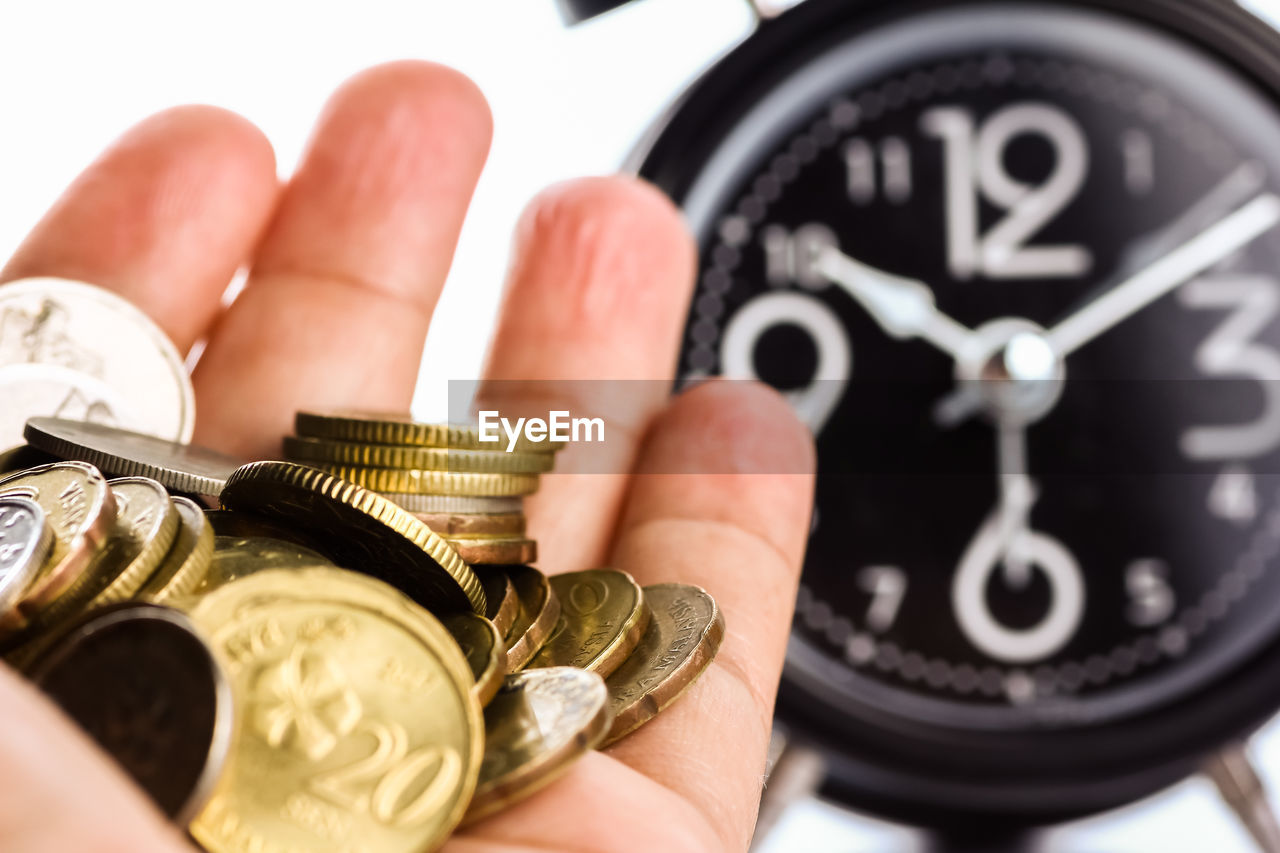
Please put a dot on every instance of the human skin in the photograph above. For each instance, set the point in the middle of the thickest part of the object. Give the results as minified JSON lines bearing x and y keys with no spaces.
{"x":347,"y":259}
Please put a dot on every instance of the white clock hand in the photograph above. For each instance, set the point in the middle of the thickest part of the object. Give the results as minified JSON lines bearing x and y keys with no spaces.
{"x":1193,"y":257}
{"x":903,"y":307}
{"x":1242,"y":184}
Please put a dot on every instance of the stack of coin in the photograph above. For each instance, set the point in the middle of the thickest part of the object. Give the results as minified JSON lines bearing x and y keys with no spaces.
{"x":469,"y":491}
{"x":312,"y":666}
{"x":112,"y":540}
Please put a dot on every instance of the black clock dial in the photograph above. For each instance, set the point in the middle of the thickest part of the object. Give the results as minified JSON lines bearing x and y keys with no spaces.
{"x":1019,"y":163}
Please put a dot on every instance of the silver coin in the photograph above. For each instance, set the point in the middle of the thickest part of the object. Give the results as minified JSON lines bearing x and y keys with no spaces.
{"x":182,"y":467}
{"x":30,"y":389}
{"x":459,"y":504}
{"x":25,"y":540}
{"x":540,"y":722}
{"x":72,"y":350}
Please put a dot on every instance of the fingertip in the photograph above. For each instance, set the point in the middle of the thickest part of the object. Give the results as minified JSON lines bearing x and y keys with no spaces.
{"x":390,"y":168}
{"x":160,"y":173}
{"x":204,"y":131}
{"x":603,"y":245}
{"x":163,"y":217}
{"x":414,"y":85}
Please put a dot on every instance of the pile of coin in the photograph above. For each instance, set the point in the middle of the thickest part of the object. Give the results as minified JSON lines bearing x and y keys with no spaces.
{"x":469,"y":491}
{"x":315,"y":665}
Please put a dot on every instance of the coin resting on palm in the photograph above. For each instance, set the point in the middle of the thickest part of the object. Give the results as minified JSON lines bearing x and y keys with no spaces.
{"x":25,"y":540}
{"x":495,"y":551}
{"x":140,"y":680}
{"x":500,"y":596}
{"x":402,"y":430}
{"x":417,"y":481}
{"x":81,"y":512}
{"x":181,"y":467}
{"x":679,"y":644}
{"x":603,"y":614}
{"x":359,"y":530}
{"x":536,"y":617}
{"x":427,"y":458}
{"x":537,"y":725}
{"x":484,"y":650}
{"x":236,"y":557}
{"x":475,"y":525}
{"x":338,"y":671}
{"x":146,"y":525}
{"x":188,"y":560}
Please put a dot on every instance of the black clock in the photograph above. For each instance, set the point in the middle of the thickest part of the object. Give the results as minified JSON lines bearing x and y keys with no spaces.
{"x":1017,"y":264}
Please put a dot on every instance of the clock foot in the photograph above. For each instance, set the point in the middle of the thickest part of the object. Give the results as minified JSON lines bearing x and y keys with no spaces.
{"x":1242,"y":789}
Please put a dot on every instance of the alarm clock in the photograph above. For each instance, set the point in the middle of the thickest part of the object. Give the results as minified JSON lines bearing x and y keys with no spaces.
{"x":1017,"y":265}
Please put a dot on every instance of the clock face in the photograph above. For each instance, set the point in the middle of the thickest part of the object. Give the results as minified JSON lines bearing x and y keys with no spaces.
{"x":1039,"y":503}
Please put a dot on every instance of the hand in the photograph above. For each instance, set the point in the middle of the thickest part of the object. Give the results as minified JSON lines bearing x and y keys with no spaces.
{"x":347,"y":261}
{"x":904,"y":307}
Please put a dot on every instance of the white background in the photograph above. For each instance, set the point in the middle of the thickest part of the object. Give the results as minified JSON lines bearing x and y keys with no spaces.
{"x":565,"y":102}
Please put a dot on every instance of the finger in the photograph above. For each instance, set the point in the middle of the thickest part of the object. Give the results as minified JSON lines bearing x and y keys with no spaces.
{"x":164,"y":217}
{"x":598,"y":291}
{"x":337,"y":304}
{"x":59,"y":792}
{"x":735,"y":524}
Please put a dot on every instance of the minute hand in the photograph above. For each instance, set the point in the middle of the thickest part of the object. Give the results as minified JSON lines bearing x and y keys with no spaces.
{"x":1190,"y":259}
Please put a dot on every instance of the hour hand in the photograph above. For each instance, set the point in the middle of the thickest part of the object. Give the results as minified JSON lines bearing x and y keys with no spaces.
{"x":903,"y":307}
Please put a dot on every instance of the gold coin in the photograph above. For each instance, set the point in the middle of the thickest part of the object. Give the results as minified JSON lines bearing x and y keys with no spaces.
{"x":682,"y":640}
{"x":81,"y":510}
{"x":474,"y":524}
{"x":500,"y":593}
{"x":236,"y":557}
{"x":147,"y":525}
{"x":536,"y":618}
{"x":603,"y":615}
{"x":381,"y":428}
{"x":538,"y":725}
{"x":461,"y":504}
{"x":484,"y":650}
{"x":358,"y":530}
{"x":419,"y":482}
{"x":494,"y":460}
{"x":188,"y":560}
{"x":496,"y":552}
{"x":359,"y":729}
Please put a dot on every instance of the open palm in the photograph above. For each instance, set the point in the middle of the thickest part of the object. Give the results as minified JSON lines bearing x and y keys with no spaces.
{"x":347,"y":260}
